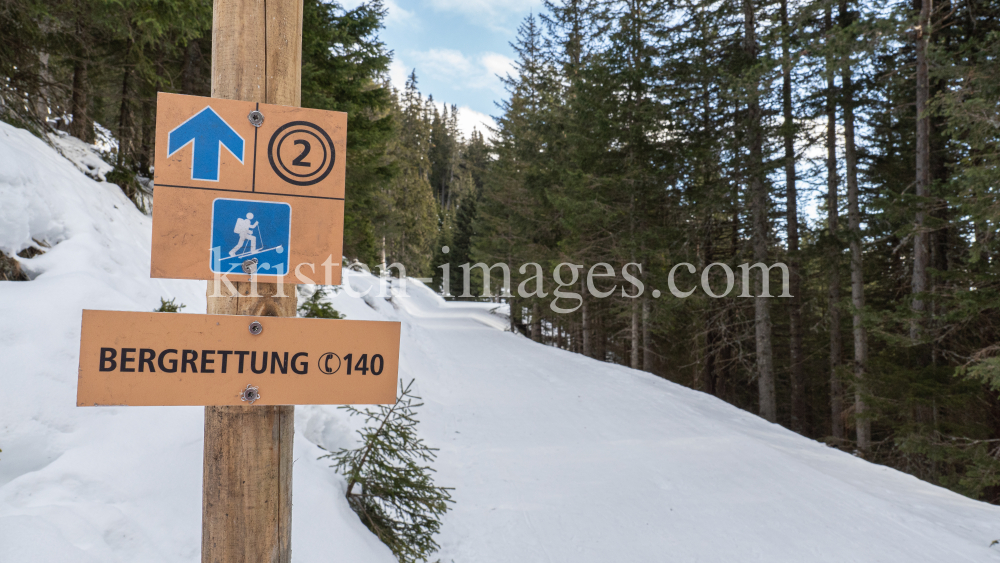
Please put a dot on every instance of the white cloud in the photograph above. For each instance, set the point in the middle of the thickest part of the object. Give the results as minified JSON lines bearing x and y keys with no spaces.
{"x":497,"y":64}
{"x":444,"y":62}
{"x":398,"y":73}
{"x":487,"y":12}
{"x":399,"y":16}
{"x":463,"y":72}
{"x":469,"y":119}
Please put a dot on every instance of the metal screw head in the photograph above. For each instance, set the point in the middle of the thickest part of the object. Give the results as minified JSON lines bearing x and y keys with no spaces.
{"x":250,"y":266}
{"x":256,"y":118}
{"x":250,"y":394}
{"x":256,"y":328}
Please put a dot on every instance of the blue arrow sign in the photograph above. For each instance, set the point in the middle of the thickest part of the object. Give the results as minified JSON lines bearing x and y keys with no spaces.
{"x":209,"y":133}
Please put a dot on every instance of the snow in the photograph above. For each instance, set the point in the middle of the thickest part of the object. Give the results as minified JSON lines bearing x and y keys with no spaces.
{"x":84,"y":156}
{"x":554,"y":457}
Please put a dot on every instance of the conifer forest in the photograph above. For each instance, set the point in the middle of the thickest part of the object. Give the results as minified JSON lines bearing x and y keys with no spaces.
{"x":856,"y":143}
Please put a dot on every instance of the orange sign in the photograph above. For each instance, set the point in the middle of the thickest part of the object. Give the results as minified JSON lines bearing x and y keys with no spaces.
{"x":247,"y":188}
{"x":167,"y":359}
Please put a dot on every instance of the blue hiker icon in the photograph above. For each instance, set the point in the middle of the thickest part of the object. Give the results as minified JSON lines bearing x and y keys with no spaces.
{"x":255,"y":233}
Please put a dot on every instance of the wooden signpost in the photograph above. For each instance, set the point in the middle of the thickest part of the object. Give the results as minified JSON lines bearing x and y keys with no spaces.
{"x":250,"y":187}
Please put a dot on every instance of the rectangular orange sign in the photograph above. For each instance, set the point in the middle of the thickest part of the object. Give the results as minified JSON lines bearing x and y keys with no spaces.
{"x":169,"y":359}
{"x":247,"y":187}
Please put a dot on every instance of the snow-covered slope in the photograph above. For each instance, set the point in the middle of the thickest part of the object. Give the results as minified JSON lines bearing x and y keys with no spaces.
{"x":553,"y":457}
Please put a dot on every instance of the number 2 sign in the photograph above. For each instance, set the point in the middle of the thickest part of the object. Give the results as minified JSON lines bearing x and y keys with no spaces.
{"x":222,"y":166}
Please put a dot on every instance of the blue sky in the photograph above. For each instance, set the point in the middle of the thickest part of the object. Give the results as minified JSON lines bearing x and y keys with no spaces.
{"x":457,"y":48}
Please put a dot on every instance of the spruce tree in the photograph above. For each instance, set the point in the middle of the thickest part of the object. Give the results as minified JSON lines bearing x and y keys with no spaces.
{"x":390,"y":483}
{"x":169,"y":306}
{"x":408,"y":217}
{"x":315,"y":306}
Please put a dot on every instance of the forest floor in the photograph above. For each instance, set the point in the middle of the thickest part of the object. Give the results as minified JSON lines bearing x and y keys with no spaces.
{"x":553,"y":456}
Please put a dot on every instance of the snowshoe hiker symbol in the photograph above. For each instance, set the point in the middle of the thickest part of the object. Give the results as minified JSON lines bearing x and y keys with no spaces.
{"x":245,"y":228}
{"x":253,"y":234}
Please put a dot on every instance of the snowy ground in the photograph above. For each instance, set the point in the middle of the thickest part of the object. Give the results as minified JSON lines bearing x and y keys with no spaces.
{"x":553,"y":457}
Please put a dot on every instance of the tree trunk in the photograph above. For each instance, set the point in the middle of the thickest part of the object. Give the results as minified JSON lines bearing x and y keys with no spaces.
{"x":725,"y":359}
{"x":125,"y":120}
{"x":704,"y":379}
{"x":600,"y":338}
{"x":44,"y":80}
{"x":147,"y":129}
{"x":920,"y":236}
{"x":857,"y":274}
{"x":82,"y":127}
{"x":536,"y":322}
{"x":708,"y":374}
{"x":798,"y":382}
{"x":192,"y":64}
{"x":647,"y":354}
{"x":758,"y":209}
{"x":585,"y":322}
{"x":636,"y":342}
{"x":833,"y":253}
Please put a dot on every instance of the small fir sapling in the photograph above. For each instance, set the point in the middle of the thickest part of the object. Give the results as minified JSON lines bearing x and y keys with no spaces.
{"x":389,"y":484}
{"x":169,"y":306}
{"x":315,"y":308}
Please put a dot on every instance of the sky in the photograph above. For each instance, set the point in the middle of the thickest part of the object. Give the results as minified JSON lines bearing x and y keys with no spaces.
{"x":457,"y":47}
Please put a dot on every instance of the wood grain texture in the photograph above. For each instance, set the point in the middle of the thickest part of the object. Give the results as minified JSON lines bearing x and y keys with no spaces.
{"x":247,"y":486}
{"x":284,"y":52}
{"x":238,"y":50}
{"x":247,"y":500}
{"x":272,"y":300}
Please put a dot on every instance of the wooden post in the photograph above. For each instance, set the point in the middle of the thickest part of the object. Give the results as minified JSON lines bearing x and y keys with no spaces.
{"x":247,"y":487}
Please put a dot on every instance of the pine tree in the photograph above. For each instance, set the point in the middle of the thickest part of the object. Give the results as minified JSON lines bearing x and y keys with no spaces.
{"x":862,"y":423}
{"x":758,"y":199}
{"x":514,"y":214}
{"x":390,"y":483}
{"x":169,"y":306}
{"x":315,"y":306}
{"x":408,"y":221}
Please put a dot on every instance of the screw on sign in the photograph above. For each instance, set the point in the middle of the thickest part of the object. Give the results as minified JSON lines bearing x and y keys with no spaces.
{"x":250,"y":266}
{"x":256,"y":118}
{"x":250,"y":394}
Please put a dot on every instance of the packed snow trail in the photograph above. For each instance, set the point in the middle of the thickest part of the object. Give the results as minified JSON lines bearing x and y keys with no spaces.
{"x":554,"y":457}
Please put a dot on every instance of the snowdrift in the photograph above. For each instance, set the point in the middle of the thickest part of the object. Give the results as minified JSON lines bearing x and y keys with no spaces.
{"x":554,"y":457}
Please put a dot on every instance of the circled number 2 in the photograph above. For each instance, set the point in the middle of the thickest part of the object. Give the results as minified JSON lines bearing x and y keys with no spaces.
{"x":301,"y":159}
{"x":363,"y":365}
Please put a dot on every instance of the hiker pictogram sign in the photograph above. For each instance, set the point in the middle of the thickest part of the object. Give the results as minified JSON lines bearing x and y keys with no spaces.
{"x":244,"y":188}
{"x":171,"y":359}
{"x":261,"y":230}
